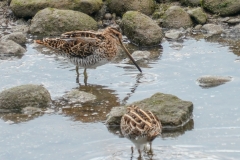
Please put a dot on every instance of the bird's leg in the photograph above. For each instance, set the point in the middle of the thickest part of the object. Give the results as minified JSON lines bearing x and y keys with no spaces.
{"x":77,"y":79}
{"x":132,"y":152}
{"x":150,"y":151}
{"x":140,"y":154}
{"x":85,"y":76}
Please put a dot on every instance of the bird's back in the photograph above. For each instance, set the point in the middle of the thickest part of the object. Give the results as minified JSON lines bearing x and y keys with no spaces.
{"x":137,"y":123}
{"x":85,"y":48}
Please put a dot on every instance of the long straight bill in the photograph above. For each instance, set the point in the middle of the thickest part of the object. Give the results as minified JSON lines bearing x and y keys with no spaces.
{"x":129,"y":55}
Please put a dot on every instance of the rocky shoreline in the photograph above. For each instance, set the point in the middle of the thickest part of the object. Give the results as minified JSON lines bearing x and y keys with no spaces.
{"x":145,"y":23}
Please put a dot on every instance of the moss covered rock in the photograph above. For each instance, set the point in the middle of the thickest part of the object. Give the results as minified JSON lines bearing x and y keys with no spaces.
{"x":52,"y":21}
{"x":198,"y":15}
{"x":191,"y":2}
{"x":17,"y":98}
{"x":23,"y":8}
{"x":141,"y":29}
{"x":172,"y":111}
{"x":223,"y":7}
{"x":121,"y":6}
{"x":176,"y":17}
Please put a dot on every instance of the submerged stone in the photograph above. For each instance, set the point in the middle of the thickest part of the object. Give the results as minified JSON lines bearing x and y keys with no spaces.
{"x":140,"y":55}
{"x":31,"y":110}
{"x":212,"y":81}
{"x":77,"y":96}
{"x":171,"y":111}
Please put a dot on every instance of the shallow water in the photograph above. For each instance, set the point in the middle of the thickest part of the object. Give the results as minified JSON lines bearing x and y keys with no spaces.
{"x":79,"y":132}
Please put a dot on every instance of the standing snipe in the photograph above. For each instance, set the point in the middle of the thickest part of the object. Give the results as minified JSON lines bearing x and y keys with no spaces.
{"x":88,"y":48}
{"x":140,"y":126}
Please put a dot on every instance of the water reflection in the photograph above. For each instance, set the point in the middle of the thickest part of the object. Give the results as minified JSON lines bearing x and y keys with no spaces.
{"x":176,"y":132}
{"x":216,"y":129}
{"x":19,"y":117}
{"x":93,"y":111}
{"x":120,"y":59}
{"x":233,"y":44}
{"x":166,"y":132}
{"x":10,"y":57}
{"x":145,"y":152}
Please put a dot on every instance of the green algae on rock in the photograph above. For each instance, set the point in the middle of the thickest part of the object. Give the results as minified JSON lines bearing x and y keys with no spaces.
{"x":121,"y":6}
{"x":51,"y":21}
{"x":141,"y":29}
{"x":198,"y":15}
{"x":223,"y":7}
{"x":191,"y":2}
{"x":26,"y":9}
{"x":176,"y":17}
{"x":17,"y":98}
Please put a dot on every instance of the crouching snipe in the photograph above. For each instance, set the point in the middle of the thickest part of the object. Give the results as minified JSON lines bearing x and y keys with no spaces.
{"x":140,"y":126}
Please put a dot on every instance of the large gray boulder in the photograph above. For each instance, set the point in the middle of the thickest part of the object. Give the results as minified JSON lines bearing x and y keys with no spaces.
{"x":121,"y":6}
{"x":23,"y":8}
{"x":52,"y":21}
{"x":222,"y":7}
{"x":11,"y":48}
{"x":171,"y":111}
{"x":141,"y":29}
{"x":17,"y":98}
{"x":176,"y":17}
{"x":198,"y":15}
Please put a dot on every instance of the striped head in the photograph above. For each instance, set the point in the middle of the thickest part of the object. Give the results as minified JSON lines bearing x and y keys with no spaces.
{"x":114,"y":33}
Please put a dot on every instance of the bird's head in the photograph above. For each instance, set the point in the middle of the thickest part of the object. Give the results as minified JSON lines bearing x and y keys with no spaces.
{"x":115,"y":33}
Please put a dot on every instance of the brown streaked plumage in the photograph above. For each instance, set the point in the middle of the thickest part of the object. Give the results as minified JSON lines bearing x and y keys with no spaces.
{"x":88,"y":47}
{"x":140,"y":126}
